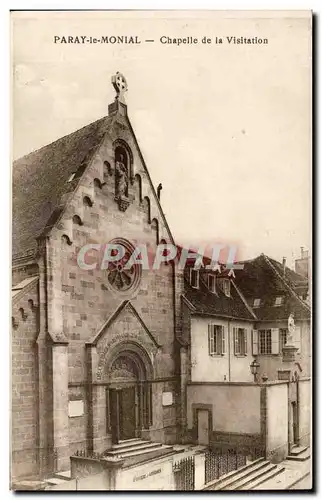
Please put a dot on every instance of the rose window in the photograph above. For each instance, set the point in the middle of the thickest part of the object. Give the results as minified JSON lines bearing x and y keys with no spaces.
{"x":120,"y":276}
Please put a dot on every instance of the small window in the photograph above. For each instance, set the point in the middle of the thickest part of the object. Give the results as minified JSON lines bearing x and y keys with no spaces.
{"x":194,"y":278}
{"x":278,"y":301}
{"x":216,"y":340}
{"x":212,"y":283}
{"x":257,"y":302}
{"x":265,"y":341}
{"x":283,"y":338}
{"x":226,"y":287}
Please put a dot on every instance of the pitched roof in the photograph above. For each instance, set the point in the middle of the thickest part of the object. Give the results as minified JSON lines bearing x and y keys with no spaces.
{"x":263,"y":278}
{"x":204,"y":301}
{"x":40,"y":179}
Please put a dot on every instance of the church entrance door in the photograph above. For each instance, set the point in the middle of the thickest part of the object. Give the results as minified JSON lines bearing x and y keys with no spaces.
{"x":123,"y":413}
{"x":127,"y":413}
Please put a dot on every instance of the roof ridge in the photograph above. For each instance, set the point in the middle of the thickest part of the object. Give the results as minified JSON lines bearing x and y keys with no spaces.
{"x":59,"y":139}
{"x":244,"y":300}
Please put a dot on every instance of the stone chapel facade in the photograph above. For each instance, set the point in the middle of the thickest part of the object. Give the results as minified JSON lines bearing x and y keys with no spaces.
{"x":94,"y":351}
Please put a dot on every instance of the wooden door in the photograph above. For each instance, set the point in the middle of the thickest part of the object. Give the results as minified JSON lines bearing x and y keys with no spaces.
{"x":127,"y":413}
{"x":203,"y":427}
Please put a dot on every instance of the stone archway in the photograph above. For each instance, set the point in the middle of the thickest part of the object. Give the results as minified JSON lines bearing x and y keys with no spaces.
{"x":129,"y":393}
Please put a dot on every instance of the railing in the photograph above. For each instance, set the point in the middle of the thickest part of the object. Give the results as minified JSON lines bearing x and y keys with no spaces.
{"x":184,"y":474}
{"x":218,"y":464}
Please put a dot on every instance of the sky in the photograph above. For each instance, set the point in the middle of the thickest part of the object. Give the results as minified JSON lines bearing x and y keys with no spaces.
{"x":225,"y":127}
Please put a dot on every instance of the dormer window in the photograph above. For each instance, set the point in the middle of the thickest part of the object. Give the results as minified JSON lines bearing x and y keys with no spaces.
{"x":224,"y":284}
{"x":257,"y":303}
{"x":278,"y":301}
{"x":212,"y":283}
{"x":194,"y":278}
{"x":226,"y":287}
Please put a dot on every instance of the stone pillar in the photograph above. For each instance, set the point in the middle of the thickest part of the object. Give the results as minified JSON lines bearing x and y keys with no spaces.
{"x":60,"y":406}
{"x":200,"y":464}
{"x":43,"y":374}
{"x":100,"y":438}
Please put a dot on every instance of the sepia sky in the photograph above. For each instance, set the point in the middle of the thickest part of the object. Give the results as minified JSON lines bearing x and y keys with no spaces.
{"x":224,"y":127}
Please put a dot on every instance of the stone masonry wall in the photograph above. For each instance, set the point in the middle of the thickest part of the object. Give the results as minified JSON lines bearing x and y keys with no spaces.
{"x":24,"y":402}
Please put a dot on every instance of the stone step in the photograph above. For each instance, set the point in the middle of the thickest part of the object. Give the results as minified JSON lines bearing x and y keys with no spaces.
{"x":149,"y":456}
{"x":288,"y":479}
{"x":230,"y":482}
{"x":228,"y":478}
{"x":247,"y":479}
{"x":297,"y":450}
{"x":133,"y":450}
{"x":301,"y":457}
{"x":129,"y":444}
{"x":121,"y":441}
{"x":63,"y":475}
{"x":53,"y":481}
{"x":270,"y":473}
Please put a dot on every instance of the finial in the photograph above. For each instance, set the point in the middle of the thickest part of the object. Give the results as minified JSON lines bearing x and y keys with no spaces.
{"x":120,"y":85}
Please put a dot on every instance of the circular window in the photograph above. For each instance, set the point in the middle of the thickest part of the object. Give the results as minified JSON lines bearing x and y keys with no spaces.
{"x":120,"y":276}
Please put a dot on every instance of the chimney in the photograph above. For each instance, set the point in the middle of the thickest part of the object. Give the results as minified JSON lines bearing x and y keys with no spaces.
{"x":284,"y":265}
{"x":159,"y":190}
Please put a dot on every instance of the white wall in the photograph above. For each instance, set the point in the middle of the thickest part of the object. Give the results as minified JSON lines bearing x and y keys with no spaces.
{"x":205,"y":368}
{"x":277,"y":420}
{"x":234,"y":408}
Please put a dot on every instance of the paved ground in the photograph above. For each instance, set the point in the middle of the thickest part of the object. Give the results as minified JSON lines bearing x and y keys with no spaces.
{"x":304,"y":484}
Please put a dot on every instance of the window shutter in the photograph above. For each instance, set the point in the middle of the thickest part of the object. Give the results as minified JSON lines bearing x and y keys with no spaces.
{"x":245,"y":340}
{"x":255,"y":342}
{"x":235,"y":332}
{"x":223,"y":340}
{"x":275,"y":340}
{"x":209,"y":339}
{"x":297,"y":338}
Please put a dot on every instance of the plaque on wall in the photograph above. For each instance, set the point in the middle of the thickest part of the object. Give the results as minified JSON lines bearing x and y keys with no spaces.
{"x":167,"y":399}
{"x":76,"y":408}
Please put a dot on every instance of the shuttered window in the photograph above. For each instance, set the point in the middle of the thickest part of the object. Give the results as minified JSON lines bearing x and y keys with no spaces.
{"x":216,"y":340}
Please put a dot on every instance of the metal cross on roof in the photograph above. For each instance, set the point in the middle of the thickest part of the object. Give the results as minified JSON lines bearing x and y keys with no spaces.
{"x":120,"y":85}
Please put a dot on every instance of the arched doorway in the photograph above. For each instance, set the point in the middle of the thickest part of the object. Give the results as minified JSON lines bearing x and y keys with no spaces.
{"x":129,"y":410}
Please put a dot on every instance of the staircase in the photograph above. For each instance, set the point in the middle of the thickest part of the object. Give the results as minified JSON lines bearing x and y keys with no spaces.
{"x":248,"y":477}
{"x":299,"y":453}
{"x":138,"y":450}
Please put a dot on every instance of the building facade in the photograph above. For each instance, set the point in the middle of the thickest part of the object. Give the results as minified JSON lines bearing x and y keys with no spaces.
{"x":247,"y":349}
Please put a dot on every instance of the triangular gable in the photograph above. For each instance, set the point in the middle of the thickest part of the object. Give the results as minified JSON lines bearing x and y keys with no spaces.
{"x":126,"y":304}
